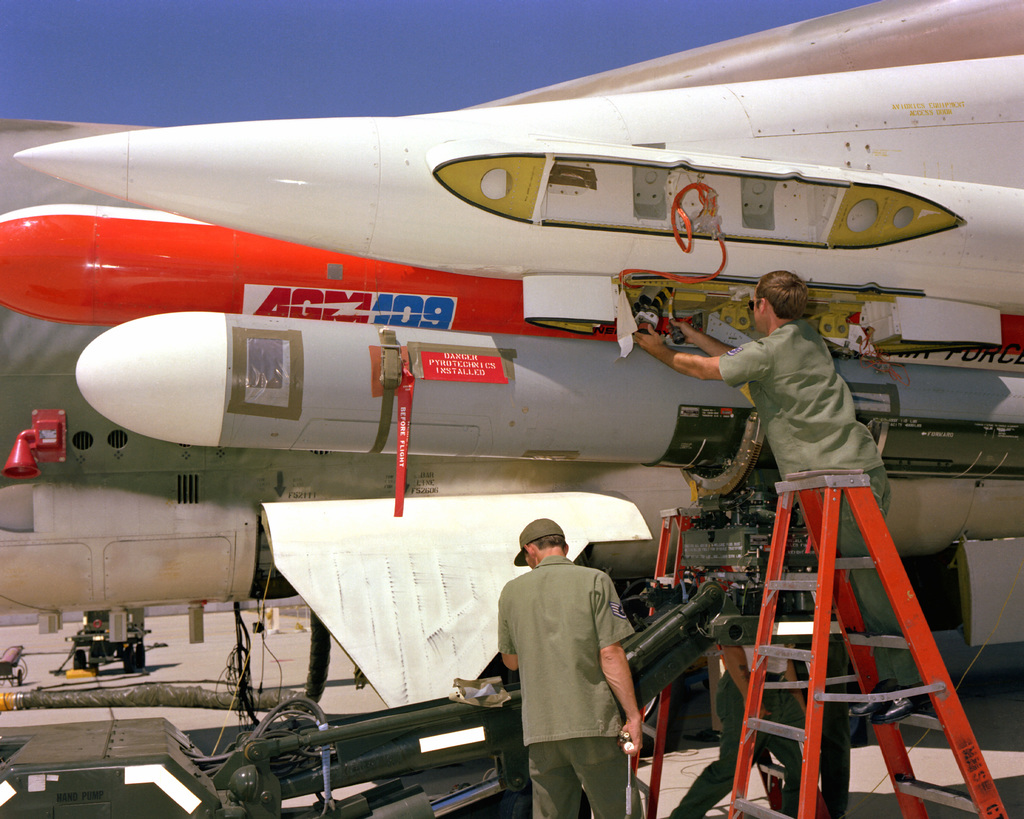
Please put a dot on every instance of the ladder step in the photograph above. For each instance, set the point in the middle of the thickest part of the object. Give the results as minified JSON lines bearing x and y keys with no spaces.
{"x":799,"y":628}
{"x":763,"y":726}
{"x":927,"y":721}
{"x":759,"y":811}
{"x":791,"y":684}
{"x":787,"y":684}
{"x":935,"y":793}
{"x":887,"y":696}
{"x":792,"y":585}
{"x":854,"y":563}
{"x":877,"y":640}
{"x":821,"y":478}
{"x":784,"y":653}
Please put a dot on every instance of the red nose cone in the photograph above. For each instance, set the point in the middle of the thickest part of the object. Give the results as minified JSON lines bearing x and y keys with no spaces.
{"x":46,"y":265}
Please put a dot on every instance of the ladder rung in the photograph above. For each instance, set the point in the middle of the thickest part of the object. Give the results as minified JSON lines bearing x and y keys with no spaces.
{"x":771,"y":768}
{"x":935,"y":793}
{"x":927,"y":721}
{"x":792,"y":585}
{"x":877,"y":640}
{"x":819,"y":479}
{"x":787,"y":684}
{"x":855,"y":563}
{"x":758,"y":811}
{"x":800,"y":628}
{"x":849,"y":678}
{"x":887,"y":696}
{"x":763,"y":726}
{"x":784,"y":653}
{"x":808,"y":581}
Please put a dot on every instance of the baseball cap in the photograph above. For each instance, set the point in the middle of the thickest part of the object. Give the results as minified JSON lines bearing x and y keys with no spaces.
{"x":535,"y":531}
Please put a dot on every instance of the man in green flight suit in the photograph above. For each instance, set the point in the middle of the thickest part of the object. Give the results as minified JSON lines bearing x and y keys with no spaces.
{"x":785,"y":707}
{"x":808,"y":415}
{"x":561,"y":626}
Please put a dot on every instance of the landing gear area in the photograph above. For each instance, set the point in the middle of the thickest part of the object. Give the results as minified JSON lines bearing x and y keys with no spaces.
{"x":149,"y":767}
{"x":992,"y":693}
{"x":95,"y":645}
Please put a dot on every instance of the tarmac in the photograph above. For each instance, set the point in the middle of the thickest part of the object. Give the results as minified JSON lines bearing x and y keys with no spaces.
{"x":992,"y":693}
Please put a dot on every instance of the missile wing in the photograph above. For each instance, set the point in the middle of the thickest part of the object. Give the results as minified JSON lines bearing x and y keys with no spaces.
{"x":875,"y":35}
{"x":445,"y":562}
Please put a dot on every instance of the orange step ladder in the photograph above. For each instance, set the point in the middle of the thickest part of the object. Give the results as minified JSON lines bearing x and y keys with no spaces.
{"x":820,"y":495}
{"x":674,"y":523}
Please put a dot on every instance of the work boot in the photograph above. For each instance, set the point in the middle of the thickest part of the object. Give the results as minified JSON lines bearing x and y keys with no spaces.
{"x":867,"y":709}
{"x":900,"y":709}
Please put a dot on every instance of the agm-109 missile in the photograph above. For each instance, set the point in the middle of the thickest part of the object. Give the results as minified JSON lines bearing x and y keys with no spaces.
{"x":846,"y":178}
{"x":81,"y":264}
{"x":250,"y":381}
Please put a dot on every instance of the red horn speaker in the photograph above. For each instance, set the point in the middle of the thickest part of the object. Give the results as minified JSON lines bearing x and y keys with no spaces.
{"x":22,"y":461}
{"x":45,"y":443}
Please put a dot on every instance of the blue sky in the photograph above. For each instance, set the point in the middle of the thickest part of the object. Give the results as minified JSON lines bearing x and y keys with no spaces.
{"x":173,"y":62}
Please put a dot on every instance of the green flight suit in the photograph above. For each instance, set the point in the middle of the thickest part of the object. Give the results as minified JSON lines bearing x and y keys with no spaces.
{"x":557,"y":618}
{"x":715,"y":781}
{"x":809,"y":420}
{"x":810,"y":424}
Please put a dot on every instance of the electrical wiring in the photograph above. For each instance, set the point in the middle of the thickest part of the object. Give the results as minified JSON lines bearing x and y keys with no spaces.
{"x":707,"y":221}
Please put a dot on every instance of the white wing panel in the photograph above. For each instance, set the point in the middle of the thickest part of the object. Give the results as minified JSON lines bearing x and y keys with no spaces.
{"x":413,"y":600}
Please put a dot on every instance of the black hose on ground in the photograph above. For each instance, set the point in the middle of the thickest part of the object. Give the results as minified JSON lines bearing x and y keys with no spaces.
{"x":138,"y":696}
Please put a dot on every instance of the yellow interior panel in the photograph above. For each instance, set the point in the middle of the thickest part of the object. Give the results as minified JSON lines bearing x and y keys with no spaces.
{"x":870,"y":217}
{"x":507,"y":185}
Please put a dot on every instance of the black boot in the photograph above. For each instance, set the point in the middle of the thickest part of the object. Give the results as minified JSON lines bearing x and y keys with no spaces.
{"x":866,"y":709}
{"x":900,"y":709}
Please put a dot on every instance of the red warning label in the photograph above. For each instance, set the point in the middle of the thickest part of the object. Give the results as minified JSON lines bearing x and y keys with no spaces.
{"x":480,"y":369}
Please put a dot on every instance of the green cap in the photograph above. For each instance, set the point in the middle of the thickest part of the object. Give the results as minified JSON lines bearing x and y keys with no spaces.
{"x":535,"y":531}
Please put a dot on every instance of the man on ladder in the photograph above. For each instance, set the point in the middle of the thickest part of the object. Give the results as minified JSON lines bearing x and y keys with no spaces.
{"x":808,"y":416}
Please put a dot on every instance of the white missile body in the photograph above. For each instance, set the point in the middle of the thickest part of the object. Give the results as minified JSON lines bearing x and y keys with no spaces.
{"x":252,"y":381}
{"x":219,"y":380}
{"x":907,"y":176}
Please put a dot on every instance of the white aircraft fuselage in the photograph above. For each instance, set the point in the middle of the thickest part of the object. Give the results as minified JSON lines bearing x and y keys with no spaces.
{"x":943,"y":137}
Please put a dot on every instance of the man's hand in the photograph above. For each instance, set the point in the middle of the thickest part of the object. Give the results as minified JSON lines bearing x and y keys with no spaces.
{"x":635,"y":728}
{"x":648,"y":340}
{"x":620,"y":680}
{"x":686,"y":330}
{"x":697,"y":366}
